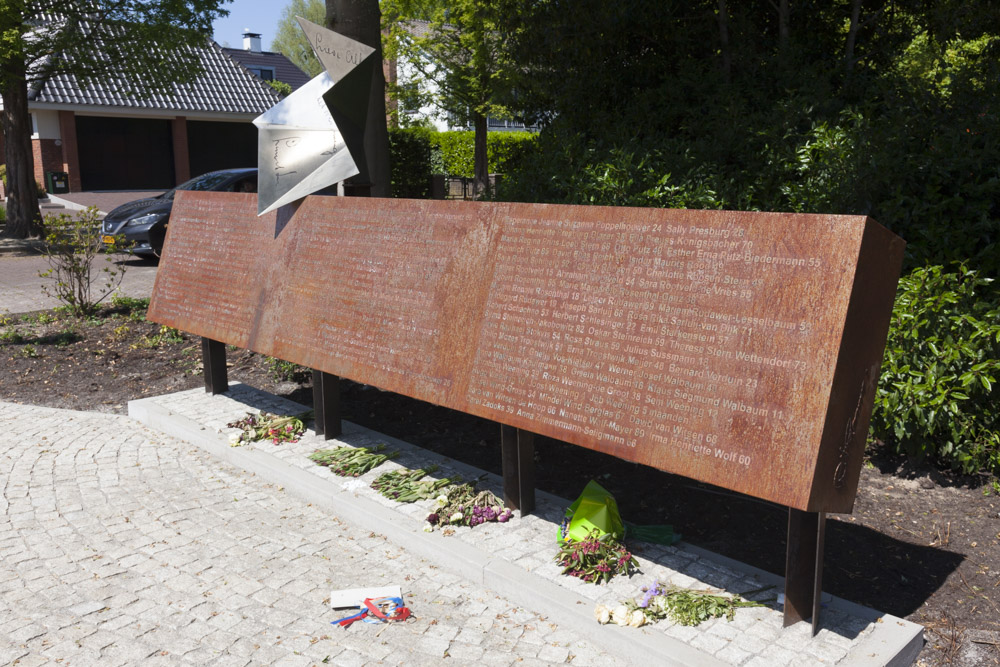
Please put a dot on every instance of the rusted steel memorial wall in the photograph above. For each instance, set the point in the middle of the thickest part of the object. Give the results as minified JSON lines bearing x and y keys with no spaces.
{"x":739,"y":349}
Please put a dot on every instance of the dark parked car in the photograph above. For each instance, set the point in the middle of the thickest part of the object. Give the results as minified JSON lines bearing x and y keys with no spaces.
{"x":143,"y":222}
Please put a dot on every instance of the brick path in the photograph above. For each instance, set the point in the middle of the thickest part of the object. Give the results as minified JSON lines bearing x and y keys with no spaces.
{"x":123,"y":546}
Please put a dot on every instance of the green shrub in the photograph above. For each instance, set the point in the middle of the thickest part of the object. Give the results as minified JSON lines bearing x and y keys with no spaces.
{"x":280,"y":87}
{"x":286,"y":371}
{"x":419,"y":152}
{"x":504,"y":150}
{"x":937,"y":394}
{"x":411,"y":162}
{"x":569,"y":169}
{"x":71,"y":247}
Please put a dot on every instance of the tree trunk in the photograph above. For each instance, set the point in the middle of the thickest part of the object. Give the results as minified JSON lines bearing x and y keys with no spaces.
{"x":481,"y":169}
{"x":23,"y":217}
{"x":783,"y":21}
{"x":852,"y":35}
{"x":361,"y":20}
{"x":727,"y":60}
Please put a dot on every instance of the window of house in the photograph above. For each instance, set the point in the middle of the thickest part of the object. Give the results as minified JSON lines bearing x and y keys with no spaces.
{"x":265,"y":73}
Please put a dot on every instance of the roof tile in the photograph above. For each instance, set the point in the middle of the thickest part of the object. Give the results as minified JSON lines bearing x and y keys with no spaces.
{"x":284,"y":69}
{"x":224,"y":87}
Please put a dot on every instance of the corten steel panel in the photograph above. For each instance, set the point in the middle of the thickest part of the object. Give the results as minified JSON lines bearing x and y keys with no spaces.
{"x":740,"y":349}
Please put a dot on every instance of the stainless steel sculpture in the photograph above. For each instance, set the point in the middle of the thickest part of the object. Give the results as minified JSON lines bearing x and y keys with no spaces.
{"x":314,"y":137}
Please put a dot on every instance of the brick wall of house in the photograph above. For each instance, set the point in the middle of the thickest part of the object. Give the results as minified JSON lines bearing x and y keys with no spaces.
{"x":70,"y":155}
{"x":47,"y":157}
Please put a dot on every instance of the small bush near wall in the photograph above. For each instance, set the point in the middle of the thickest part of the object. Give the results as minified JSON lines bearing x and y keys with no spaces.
{"x":937,"y":396}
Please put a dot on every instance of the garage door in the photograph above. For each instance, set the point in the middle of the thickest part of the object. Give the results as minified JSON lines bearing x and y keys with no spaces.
{"x":125,"y":153}
{"x":216,"y":145}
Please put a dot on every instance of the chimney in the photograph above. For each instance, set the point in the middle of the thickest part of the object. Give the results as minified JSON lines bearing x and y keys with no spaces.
{"x":251,"y":41}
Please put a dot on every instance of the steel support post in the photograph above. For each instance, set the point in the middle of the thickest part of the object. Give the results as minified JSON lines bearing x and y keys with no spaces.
{"x":213,"y":361}
{"x":518,"y":452}
{"x":804,"y":567}
{"x":326,"y":404}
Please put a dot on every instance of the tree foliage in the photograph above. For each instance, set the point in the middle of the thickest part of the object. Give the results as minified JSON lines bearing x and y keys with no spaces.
{"x":291,"y":41}
{"x":139,"y":46}
{"x":887,"y":109}
{"x":454,"y":51}
{"x":889,"y":112}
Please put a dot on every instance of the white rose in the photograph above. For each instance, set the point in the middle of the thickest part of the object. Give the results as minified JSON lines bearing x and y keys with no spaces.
{"x":636,"y":618}
{"x":441,"y":501}
{"x":428,"y":528}
{"x":620,"y":615}
{"x":602,"y":614}
{"x":456,"y":517}
{"x":234,"y":439}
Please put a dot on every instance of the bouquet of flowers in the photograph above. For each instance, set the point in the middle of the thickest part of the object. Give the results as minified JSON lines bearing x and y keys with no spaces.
{"x":461,"y":505}
{"x":406,"y":486}
{"x":266,"y":426}
{"x":681,"y":605}
{"x":351,"y":461}
{"x":596,"y":558}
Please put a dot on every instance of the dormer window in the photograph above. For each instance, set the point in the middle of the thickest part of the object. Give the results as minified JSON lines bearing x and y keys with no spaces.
{"x":265,"y":73}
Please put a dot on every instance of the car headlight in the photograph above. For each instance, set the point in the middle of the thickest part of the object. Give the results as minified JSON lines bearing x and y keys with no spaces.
{"x":147,"y":219}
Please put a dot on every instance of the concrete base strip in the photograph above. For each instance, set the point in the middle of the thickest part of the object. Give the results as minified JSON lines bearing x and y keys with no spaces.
{"x":515,"y":559}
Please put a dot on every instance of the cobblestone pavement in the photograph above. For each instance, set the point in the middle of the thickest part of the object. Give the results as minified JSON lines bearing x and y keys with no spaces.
{"x":122,"y":546}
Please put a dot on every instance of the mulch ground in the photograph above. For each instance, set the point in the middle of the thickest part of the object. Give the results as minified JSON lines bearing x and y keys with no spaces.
{"x":922,"y":543}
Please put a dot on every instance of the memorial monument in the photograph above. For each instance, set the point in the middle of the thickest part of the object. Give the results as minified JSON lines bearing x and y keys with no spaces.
{"x":739,"y":349}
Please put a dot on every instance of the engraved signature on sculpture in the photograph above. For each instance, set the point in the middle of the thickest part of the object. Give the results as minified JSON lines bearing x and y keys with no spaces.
{"x":351,"y":57}
{"x":287,"y":142}
{"x":840,"y":474}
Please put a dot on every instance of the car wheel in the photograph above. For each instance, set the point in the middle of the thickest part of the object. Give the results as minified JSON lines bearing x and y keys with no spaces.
{"x":156,"y":237}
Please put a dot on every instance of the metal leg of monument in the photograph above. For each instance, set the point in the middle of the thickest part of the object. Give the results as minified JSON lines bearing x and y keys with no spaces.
{"x":518,"y":460}
{"x":326,"y":404}
{"x":804,"y":567}
{"x":213,"y":360}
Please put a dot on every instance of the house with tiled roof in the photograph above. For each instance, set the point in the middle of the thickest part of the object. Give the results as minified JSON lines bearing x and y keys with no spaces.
{"x":105,"y":139}
{"x":267,"y":65}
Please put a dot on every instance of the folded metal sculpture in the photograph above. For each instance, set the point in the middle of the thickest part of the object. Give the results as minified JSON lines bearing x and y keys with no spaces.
{"x":314,"y":137}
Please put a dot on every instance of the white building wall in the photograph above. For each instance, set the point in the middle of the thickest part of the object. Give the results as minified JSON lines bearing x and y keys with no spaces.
{"x":45,"y":123}
{"x":407,"y":74}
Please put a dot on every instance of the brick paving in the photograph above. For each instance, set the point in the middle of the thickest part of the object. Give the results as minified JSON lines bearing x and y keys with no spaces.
{"x":122,"y":546}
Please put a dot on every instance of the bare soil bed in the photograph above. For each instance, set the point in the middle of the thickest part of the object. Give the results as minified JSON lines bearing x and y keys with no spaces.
{"x":921,"y":544}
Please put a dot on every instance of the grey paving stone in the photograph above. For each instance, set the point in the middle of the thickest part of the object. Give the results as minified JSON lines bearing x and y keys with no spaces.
{"x":733,"y":655}
{"x":553,"y":654}
{"x":465,"y":653}
{"x":85,"y":608}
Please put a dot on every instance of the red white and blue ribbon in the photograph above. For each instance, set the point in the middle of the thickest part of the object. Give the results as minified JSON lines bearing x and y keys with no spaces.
{"x":372,"y":612}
